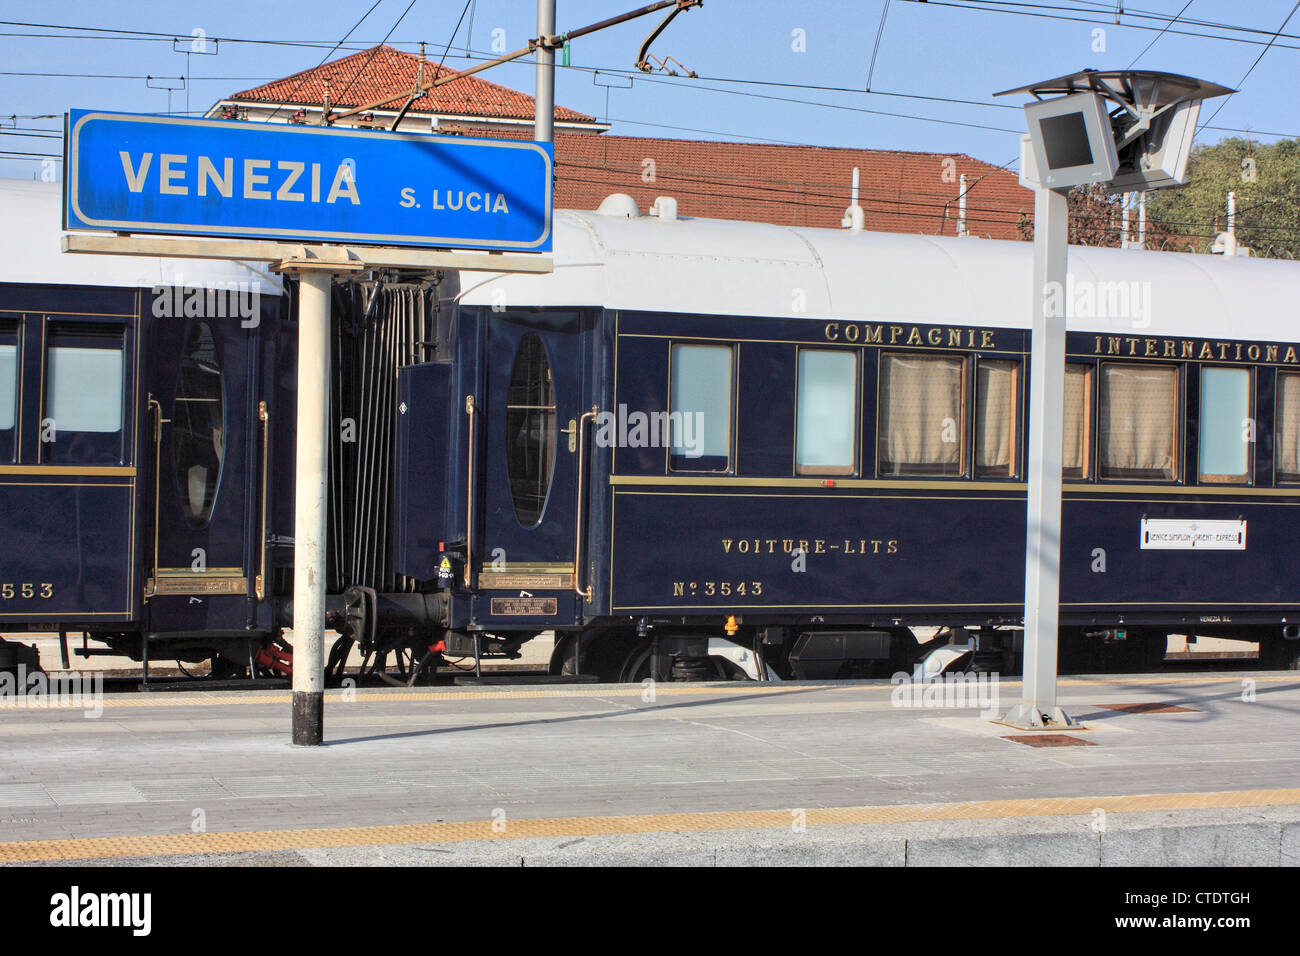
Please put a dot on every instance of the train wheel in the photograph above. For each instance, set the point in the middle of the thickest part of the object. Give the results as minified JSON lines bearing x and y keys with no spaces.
{"x":636,"y":667}
{"x":338,"y":659}
{"x":602,"y":653}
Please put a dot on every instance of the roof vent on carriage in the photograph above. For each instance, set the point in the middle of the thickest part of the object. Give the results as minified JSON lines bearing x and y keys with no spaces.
{"x":619,"y":206}
{"x":665,"y":207}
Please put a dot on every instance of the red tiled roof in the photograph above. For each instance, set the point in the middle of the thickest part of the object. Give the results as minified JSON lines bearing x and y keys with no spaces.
{"x":797,"y":185}
{"x":382,"y":71}
{"x":794,"y":185}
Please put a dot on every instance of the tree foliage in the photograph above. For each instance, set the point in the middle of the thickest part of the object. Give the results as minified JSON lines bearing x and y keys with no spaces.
{"x":1264,"y":178}
{"x":1266,"y":181}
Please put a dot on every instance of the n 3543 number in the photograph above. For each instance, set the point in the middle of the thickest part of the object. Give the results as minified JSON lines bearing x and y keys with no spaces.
{"x":715,"y":588}
{"x":26,"y":589}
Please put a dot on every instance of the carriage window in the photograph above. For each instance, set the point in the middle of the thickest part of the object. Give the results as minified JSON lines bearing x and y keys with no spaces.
{"x":1076,"y":449}
{"x":922,"y":415}
{"x":84,"y":389}
{"x":85,"y":372}
{"x":826,"y":415}
{"x":8,"y":378}
{"x":997,"y":415}
{"x":1287,"y":444}
{"x":699,"y":400}
{"x":199,"y":425}
{"x":530,"y":430}
{"x":1225,"y":417}
{"x":1139,"y":421}
{"x":8,"y":389}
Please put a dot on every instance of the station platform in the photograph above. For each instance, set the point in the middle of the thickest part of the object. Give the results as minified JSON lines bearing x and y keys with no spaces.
{"x":1164,"y":770}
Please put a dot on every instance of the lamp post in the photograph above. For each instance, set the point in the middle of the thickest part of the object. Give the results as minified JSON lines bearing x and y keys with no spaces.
{"x":1129,"y":129}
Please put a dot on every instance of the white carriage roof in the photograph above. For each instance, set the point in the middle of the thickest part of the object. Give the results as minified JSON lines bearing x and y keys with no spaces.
{"x":708,"y":266}
{"x":725,"y":267}
{"x":30,"y":251}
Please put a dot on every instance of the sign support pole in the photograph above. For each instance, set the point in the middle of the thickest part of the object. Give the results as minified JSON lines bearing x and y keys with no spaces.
{"x":544,"y":102}
{"x":1038,"y":708}
{"x":310,"y":506}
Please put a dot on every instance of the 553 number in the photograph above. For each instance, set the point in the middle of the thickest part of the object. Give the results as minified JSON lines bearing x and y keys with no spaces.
{"x":26,"y":589}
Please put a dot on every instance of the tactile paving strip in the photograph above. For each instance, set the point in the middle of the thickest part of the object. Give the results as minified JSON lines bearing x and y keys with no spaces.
{"x":455,"y":832}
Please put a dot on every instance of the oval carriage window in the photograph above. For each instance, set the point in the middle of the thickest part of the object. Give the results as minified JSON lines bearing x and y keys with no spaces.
{"x":530,"y":430}
{"x":199,"y":425}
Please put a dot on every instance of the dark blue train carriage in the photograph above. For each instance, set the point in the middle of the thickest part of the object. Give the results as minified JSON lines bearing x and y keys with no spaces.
{"x":699,"y":446}
{"x":139,"y":401}
{"x":697,"y":450}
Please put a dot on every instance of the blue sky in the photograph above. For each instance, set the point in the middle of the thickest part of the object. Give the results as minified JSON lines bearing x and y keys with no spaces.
{"x":937,"y":49}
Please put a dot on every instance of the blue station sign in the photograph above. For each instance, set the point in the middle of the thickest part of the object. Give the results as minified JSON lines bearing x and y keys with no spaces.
{"x":204,"y":177}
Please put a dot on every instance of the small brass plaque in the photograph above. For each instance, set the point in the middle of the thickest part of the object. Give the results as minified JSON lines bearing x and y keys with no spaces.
{"x":198,"y":584}
{"x":524,"y":607}
{"x":514,"y":582}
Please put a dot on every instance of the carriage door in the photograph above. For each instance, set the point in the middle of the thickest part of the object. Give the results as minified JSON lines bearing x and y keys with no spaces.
{"x":203,"y":422}
{"x":533,"y":392}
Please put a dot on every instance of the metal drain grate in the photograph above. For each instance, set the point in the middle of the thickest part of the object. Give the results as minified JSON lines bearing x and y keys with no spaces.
{"x":1050,"y":740}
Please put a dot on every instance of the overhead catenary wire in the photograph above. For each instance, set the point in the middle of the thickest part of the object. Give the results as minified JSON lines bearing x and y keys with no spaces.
{"x":335,"y":48}
{"x":1041,"y":11}
{"x":875,"y":50}
{"x":167,"y":37}
{"x":1163,"y":31}
{"x":773,"y":83}
{"x":1109,"y":224}
{"x":375,"y":50}
{"x":1224,"y":102}
{"x":840,"y":106}
{"x":807,"y":194}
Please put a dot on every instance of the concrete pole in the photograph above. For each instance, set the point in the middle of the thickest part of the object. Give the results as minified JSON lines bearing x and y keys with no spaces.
{"x":961,"y":206}
{"x":310,"y":506}
{"x":1231,"y":247}
{"x":1046,"y":414}
{"x":544,"y":103}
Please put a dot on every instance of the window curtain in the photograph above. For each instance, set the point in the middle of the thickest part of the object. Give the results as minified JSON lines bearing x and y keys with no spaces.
{"x":1078,"y":421}
{"x":921,"y":424}
{"x":995,"y":416}
{"x":1138,"y":421}
{"x":1287,"y":447}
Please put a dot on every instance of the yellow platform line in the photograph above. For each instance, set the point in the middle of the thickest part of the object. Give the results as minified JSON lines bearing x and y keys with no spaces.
{"x":479,"y":830}
{"x":742,"y":689}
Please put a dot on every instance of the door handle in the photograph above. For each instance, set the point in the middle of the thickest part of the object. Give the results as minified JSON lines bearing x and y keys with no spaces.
{"x":469,"y":494}
{"x":584,"y":593}
{"x":259,"y":583}
{"x":572,"y":432}
{"x":156,"y":409}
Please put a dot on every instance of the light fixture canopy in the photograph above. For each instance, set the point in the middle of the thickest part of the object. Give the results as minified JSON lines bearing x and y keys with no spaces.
{"x":1152,"y":120}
